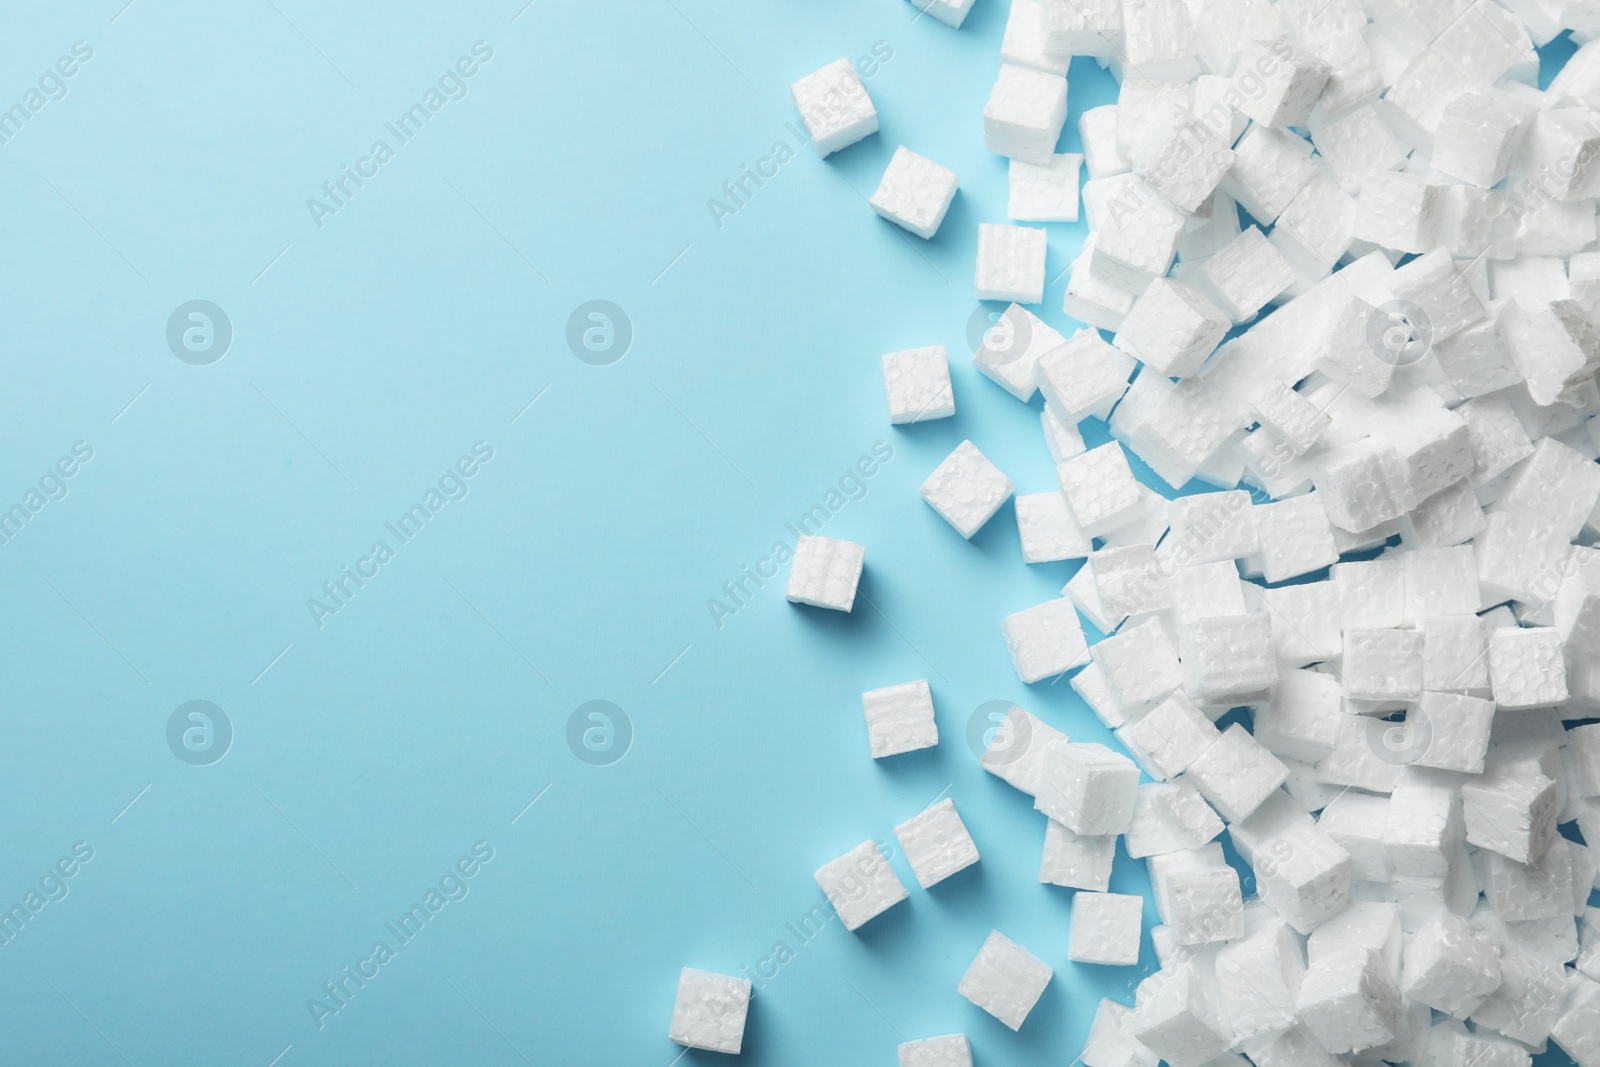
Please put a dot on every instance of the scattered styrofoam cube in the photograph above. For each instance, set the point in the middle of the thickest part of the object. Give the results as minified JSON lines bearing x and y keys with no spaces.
{"x":950,"y":12}
{"x":900,"y":718}
{"x":709,"y":1011}
{"x":1045,"y":640}
{"x":825,"y":573}
{"x":917,"y":383}
{"x":914,"y":193}
{"x":947,"y":1050}
{"x":860,"y":885}
{"x":1010,"y":263}
{"x":1025,"y":113}
{"x":1088,"y":788}
{"x":1236,"y":773}
{"x":835,"y":107}
{"x":966,"y":489}
{"x":936,"y":843}
{"x":1105,"y":928}
{"x":1100,"y":488}
{"x":1005,"y":980}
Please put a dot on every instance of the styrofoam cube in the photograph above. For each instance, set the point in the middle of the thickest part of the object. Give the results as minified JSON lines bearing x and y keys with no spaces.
{"x":860,"y":885}
{"x":917,"y":383}
{"x":1078,"y":861}
{"x":1105,"y":929}
{"x":1045,"y":640}
{"x":825,"y":573}
{"x":1005,"y":980}
{"x":1477,"y":137}
{"x":1045,"y":192}
{"x":1177,"y":1017}
{"x":1349,"y":1002}
{"x":1090,"y":298}
{"x":950,"y":12}
{"x":1301,"y":720}
{"x":1269,"y":169}
{"x":1211,"y":527}
{"x":1024,"y":114}
{"x":966,"y":489}
{"x":1305,"y":621}
{"x":1423,"y":831}
{"x":1291,"y":86}
{"x":1168,"y":738}
{"x":1182,"y":158}
{"x":1258,"y":978}
{"x":709,"y":1011}
{"x":1363,"y":484}
{"x":1529,"y":999}
{"x":1127,"y":581}
{"x":1157,"y":42}
{"x":1316,"y":229}
{"x":1048,"y":530}
{"x":1236,"y":773}
{"x":1100,"y":488}
{"x":834,"y":106}
{"x":1511,"y":813}
{"x":1139,"y":664}
{"x":1170,"y":817}
{"x":914,"y":192}
{"x":1372,"y":593}
{"x":947,"y":1050}
{"x":1301,"y":872}
{"x":1458,"y":728}
{"x":900,"y":718}
{"x":1557,"y":483}
{"x":1015,"y":743}
{"x":1201,"y":591}
{"x":1577,"y":1028}
{"x":1296,"y":537}
{"x":1083,"y":377}
{"x":1097,"y":131}
{"x":1137,"y":237}
{"x":1171,"y":328}
{"x":1399,"y":211}
{"x":1382,"y":666}
{"x":1200,"y":905}
{"x":1010,"y":263}
{"x":1023,"y":40}
{"x":1527,"y":667}
{"x":1011,"y":349}
{"x":1246,"y":275}
{"x":1451,"y":965}
{"x":1111,"y":1042}
{"x":1082,"y":27}
{"x":936,"y":843}
{"x":1228,"y":660}
{"x":1088,"y":788}
{"x":1373,"y":925}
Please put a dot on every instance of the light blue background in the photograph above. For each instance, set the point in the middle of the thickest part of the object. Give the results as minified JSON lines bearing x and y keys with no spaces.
{"x":369,"y":354}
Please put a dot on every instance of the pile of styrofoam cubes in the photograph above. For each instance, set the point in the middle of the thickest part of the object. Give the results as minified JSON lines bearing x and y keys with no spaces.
{"x":1421,"y":397}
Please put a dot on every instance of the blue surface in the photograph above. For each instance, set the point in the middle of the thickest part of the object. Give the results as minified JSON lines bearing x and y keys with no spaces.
{"x":376,"y":746}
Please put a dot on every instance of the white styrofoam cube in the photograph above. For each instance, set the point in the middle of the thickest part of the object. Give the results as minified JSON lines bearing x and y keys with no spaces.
{"x":1316,"y":228}
{"x":1237,"y":774}
{"x":914,"y":192}
{"x":1005,"y":980}
{"x":1382,"y":665}
{"x":1014,"y":746}
{"x":1451,"y":965}
{"x":1577,"y":1028}
{"x":1172,"y":328}
{"x":1374,"y":925}
{"x":1301,"y":720}
{"x":1139,"y":665}
{"x":1048,"y":530}
{"x":1212,"y":527}
{"x":1229,"y":659}
{"x":1177,"y":1017}
{"x":1082,"y":27}
{"x":1045,"y":640}
{"x":936,"y":843}
{"x":1269,"y":169}
{"x":825,"y":573}
{"x":947,"y":1050}
{"x":1457,"y":727}
{"x":1258,"y":979}
{"x":1091,"y":299}
{"x":1111,"y":1042}
{"x":1088,"y":788}
{"x":1105,"y":929}
{"x":1182,"y":158}
{"x":1078,"y":861}
{"x":1527,"y":668}
{"x":1023,"y":42}
{"x":1083,"y":377}
{"x":1100,"y":488}
{"x":709,"y":1011}
{"x":1097,"y":131}
{"x":917,"y":383}
{"x":860,"y":885}
{"x":1423,"y":831}
{"x":1011,"y":349}
{"x":966,"y":489}
{"x":1305,"y":622}
{"x":1349,"y":1001}
{"x":1010,"y":263}
{"x":1168,"y":738}
{"x":834,"y":106}
{"x":1136,"y":236}
{"x":1024,"y":114}
{"x":1511,"y":813}
{"x":1296,"y":537}
{"x":1290,"y":88}
{"x":1047,"y":192}
{"x":1247,"y":274}
{"x":900,"y":718}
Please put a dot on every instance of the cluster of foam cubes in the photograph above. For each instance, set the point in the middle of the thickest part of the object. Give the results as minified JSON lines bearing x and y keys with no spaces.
{"x":1341,"y":293}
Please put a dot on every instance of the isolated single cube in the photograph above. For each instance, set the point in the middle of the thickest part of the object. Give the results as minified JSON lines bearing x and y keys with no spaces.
{"x":1088,"y":788}
{"x":835,"y":107}
{"x":966,"y":489}
{"x":914,"y":193}
{"x":1105,"y":929}
{"x":936,"y":843}
{"x":1005,"y":980}
{"x":860,"y":885}
{"x":1045,"y":192}
{"x":917,"y":383}
{"x":1236,"y":774}
{"x":1045,"y":640}
{"x":948,"y":1050}
{"x":1101,"y":489}
{"x":1010,"y":263}
{"x":709,"y":1012}
{"x":1024,"y":114}
{"x":900,"y":718}
{"x":825,"y":573}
